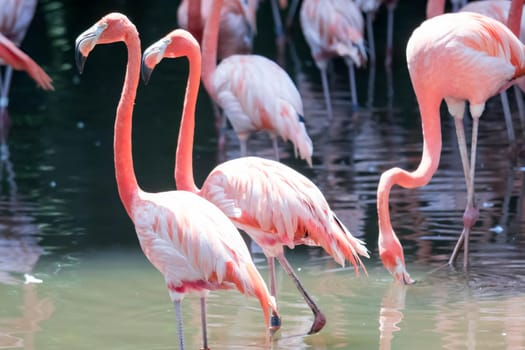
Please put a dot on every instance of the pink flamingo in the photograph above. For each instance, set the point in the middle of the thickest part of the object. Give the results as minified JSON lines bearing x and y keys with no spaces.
{"x":188,"y":239}
{"x":334,"y":28}
{"x":271,"y":202}
{"x":237,"y":23}
{"x":254,"y":93}
{"x":457,"y":57}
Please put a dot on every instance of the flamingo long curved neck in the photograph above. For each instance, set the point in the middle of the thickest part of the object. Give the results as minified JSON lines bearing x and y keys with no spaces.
{"x":195,"y":19}
{"x":431,"y":125}
{"x":514,"y":20}
{"x":210,"y":42}
{"x":126,"y":180}
{"x":184,"y":157}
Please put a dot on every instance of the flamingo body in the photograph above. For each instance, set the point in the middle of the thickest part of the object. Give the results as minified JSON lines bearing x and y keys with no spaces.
{"x":189,"y":240}
{"x":457,"y":57}
{"x":277,"y":207}
{"x":333,"y":28}
{"x":254,"y":104}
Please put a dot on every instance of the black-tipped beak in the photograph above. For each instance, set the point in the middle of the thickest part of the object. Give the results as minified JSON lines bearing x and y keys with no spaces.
{"x":80,"y":59}
{"x":152,"y":55}
{"x":145,"y":72}
{"x":85,"y":43}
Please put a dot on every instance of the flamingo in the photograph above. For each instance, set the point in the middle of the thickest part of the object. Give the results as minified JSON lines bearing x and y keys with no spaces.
{"x":188,"y":239}
{"x":501,"y":11}
{"x":237,"y":23}
{"x":274,"y":204}
{"x":457,"y":57}
{"x":334,"y":28}
{"x":254,"y":93}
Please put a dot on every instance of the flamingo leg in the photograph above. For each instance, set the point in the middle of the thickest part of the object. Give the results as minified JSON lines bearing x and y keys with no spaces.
{"x":204,"y":325}
{"x":275,"y":146}
{"x":508,"y":117}
{"x":178,"y":315}
{"x":5,"y":84}
{"x":389,"y":36}
{"x":292,"y":9}
{"x":370,"y":36}
{"x":319,"y":318}
{"x":275,"y":320}
{"x":279,"y":32}
{"x":471,"y":212}
{"x":326,"y":92}
{"x":521,"y":108}
{"x":353,"y":88}
{"x":243,"y":142}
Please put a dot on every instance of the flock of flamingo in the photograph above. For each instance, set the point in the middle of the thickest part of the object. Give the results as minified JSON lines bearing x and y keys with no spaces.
{"x":191,"y":234}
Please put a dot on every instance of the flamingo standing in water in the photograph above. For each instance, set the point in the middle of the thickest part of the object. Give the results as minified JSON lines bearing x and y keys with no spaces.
{"x":457,"y":57}
{"x":334,"y":28}
{"x":271,"y":202}
{"x":188,"y":239}
{"x":254,"y":93}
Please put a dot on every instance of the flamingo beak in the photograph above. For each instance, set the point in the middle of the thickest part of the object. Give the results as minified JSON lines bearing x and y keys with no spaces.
{"x":86,"y":42}
{"x":401,"y":275}
{"x":151,"y":57}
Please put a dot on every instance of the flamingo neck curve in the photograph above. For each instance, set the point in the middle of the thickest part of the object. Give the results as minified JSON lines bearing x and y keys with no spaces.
{"x":210,"y":42}
{"x":431,"y":127}
{"x":514,"y":20}
{"x":184,"y":155}
{"x":125,"y":174}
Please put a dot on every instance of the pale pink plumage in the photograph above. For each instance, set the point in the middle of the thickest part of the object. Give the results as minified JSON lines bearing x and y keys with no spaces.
{"x":273,"y":203}
{"x":254,"y":93}
{"x":334,"y":28}
{"x":189,"y":240}
{"x":456,"y":57}
{"x":257,"y":95}
{"x":278,"y":207}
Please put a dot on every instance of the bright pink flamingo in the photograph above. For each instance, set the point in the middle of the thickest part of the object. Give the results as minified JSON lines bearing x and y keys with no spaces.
{"x":457,"y":57}
{"x":237,"y":23}
{"x":334,"y":28}
{"x":188,"y":239}
{"x":271,"y":202}
{"x":254,"y":93}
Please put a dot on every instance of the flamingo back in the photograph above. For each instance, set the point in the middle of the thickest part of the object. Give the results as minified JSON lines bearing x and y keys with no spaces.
{"x":256,"y":94}
{"x":278,"y":206}
{"x":481,"y":56}
{"x":333,"y":28}
{"x":195,"y":253}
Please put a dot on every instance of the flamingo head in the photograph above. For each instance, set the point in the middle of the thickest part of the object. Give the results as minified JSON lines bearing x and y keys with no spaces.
{"x":177,"y":43}
{"x":110,"y":28}
{"x":393,"y":259}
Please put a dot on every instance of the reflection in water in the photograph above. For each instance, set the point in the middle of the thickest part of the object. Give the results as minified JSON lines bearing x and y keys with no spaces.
{"x":391,"y":314}
{"x":19,"y":252}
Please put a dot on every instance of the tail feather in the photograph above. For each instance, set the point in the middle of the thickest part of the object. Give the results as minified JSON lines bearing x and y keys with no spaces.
{"x":350,"y":247}
{"x":255,"y":286}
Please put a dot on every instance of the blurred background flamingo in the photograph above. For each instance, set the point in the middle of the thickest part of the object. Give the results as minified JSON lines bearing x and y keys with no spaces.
{"x":255,"y":94}
{"x":334,"y":28}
